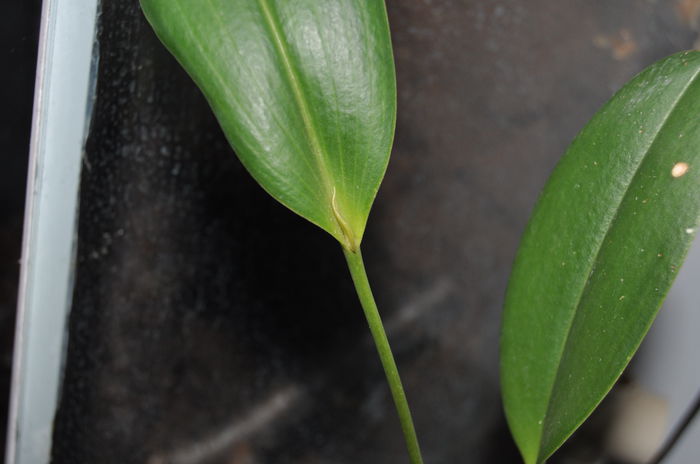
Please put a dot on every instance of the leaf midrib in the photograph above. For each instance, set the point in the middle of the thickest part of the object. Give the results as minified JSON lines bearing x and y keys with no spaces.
{"x":290,"y":73}
{"x":609,"y":226}
{"x":197,"y":41}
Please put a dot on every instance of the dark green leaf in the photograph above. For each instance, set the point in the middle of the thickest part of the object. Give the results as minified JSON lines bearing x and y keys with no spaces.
{"x":304,"y":91}
{"x":602,"y":248}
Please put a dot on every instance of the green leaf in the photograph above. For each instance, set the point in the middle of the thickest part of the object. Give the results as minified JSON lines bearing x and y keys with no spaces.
{"x":604,"y":243}
{"x":304,"y":90}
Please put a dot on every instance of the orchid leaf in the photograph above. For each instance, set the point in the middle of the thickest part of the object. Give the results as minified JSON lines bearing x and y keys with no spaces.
{"x":305,"y":92}
{"x":602,"y":248}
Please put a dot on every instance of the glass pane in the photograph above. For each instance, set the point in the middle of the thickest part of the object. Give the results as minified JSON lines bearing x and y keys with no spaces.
{"x":19,"y":30}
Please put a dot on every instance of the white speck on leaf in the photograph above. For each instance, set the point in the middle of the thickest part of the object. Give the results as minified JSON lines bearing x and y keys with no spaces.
{"x":679,"y":169}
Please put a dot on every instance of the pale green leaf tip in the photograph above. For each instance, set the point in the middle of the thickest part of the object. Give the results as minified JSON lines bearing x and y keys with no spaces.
{"x":348,"y":239}
{"x":531,"y":458}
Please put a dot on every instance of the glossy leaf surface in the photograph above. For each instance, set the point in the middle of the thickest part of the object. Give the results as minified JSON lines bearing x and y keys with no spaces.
{"x":604,"y":243}
{"x":304,"y":91}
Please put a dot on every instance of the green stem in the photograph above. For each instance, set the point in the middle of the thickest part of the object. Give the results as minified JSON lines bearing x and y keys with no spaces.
{"x":364,"y":292}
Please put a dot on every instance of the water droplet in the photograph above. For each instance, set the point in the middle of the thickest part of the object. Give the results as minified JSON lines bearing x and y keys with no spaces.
{"x":679,"y":169}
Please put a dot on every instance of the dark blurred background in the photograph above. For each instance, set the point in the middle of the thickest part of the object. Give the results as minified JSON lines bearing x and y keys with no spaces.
{"x":19,"y":28}
{"x":210,"y":325}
